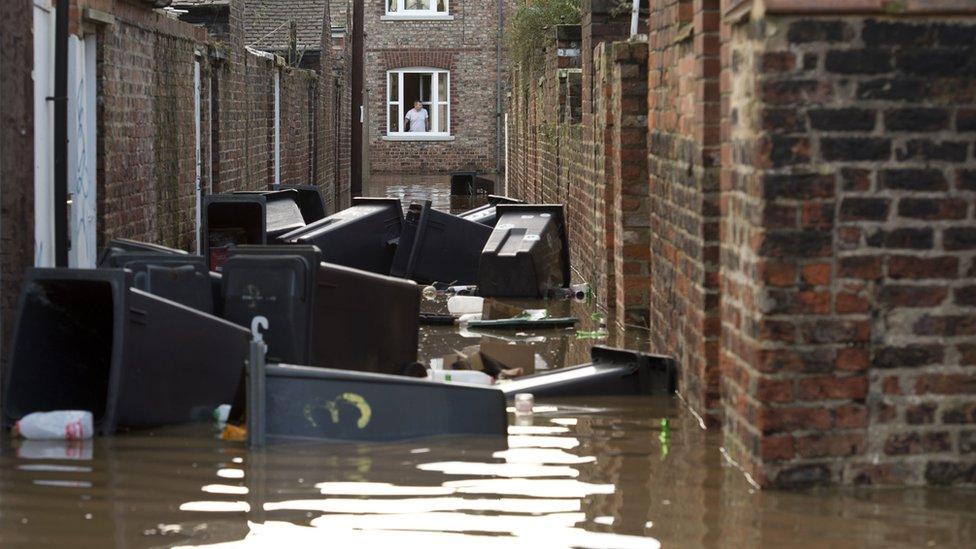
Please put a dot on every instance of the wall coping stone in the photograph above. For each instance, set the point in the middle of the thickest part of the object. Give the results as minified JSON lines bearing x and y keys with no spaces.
{"x":737,"y":8}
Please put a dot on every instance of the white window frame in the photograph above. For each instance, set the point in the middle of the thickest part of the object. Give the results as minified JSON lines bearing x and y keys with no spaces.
{"x":401,"y":11}
{"x":433,"y":111}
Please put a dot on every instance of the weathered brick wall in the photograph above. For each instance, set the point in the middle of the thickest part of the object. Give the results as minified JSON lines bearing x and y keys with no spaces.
{"x":146,"y":148}
{"x":16,"y":157}
{"x":849,"y":257}
{"x":299,"y":117}
{"x":259,"y":122}
{"x":683,"y":159}
{"x":465,"y":47}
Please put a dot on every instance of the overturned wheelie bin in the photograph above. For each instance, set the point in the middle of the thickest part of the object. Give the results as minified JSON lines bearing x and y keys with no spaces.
{"x":84,"y":340}
{"x":309,"y":201}
{"x":439,"y":247}
{"x":527,"y":254}
{"x":487,"y":214}
{"x":301,"y":403}
{"x":325,"y":315}
{"x":121,"y":246}
{"x":610,"y":372}
{"x":363,"y":236}
{"x":247,"y":217}
{"x":184,"y":279}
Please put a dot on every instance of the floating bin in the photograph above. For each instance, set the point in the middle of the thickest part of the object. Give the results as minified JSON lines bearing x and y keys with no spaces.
{"x":84,"y":341}
{"x":363,"y":236}
{"x":469,"y":184}
{"x":309,"y":200}
{"x":486,"y":214}
{"x":283,"y":214}
{"x":323,"y":314}
{"x":365,"y":321}
{"x":527,"y":254}
{"x":611,"y":372}
{"x":120,"y":246}
{"x":299,"y":402}
{"x":277,"y":282}
{"x":439,"y":247}
{"x":180,"y":278}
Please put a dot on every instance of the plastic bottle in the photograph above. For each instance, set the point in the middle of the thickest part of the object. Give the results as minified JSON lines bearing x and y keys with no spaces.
{"x":524,"y":402}
{"x":61,"y":424}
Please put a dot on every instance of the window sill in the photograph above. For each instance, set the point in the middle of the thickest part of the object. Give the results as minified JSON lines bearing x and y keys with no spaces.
{"x":418,"y":137}
{"x":423,"y":17}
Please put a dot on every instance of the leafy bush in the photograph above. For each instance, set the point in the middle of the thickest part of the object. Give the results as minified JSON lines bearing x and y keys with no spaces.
{"x":528,"y":29}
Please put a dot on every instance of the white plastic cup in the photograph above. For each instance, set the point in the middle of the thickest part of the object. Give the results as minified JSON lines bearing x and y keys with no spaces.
{"x":524,"y":402}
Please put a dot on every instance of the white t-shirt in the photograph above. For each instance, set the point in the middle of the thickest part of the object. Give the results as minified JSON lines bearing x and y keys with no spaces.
{"x":418,"y":120}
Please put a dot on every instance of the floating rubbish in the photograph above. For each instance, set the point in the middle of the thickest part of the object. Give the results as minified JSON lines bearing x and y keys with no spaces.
{"x":592,"y":334}
{"x":524,"y":322}
{"x":221,"y":413}
{"x":472,"y":377}
{"x":611,"y":372}
{"x":465,"y":304}
{"x":429,"y":293}
{"x":524,"y":402}
{"x":57,"y":425}
{"x":665,"y":437}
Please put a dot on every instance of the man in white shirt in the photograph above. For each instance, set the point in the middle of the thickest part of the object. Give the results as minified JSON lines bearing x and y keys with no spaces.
{"x":417,"y":118}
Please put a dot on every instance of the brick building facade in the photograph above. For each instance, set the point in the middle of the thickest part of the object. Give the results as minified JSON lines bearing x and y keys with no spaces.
{"x":800,"y":232}
{"x":164,"y":93}
{"x":458,"y":43}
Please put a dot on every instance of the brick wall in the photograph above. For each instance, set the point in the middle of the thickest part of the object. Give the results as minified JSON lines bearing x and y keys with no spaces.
{"x":850,"y":261}
{"x":809,"y":251}
{"x":466,"y":47}
{"x":683,"y":160}
{"x":16,"y":157}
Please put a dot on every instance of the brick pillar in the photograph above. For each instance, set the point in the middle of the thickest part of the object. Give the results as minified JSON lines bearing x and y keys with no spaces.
{"x":229,"y":162}
{"x":848,"y":245}
{"x":683,"y":162}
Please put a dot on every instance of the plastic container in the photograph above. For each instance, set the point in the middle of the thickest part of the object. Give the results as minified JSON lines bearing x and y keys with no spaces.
{"x":277,"y":282}
{"x":122,"y":246}
{"x":323,"y":314}
{"x":469,"y":184}
{"x":363,"y":236}
{"x":439,"y":247}
{"x":299,"y":402}
{"x":180,"y":278}
{"x":309,"y":200}
{"x":84,"y":341}
{"x":283,"y":213}
{"x":487,"y":214}
{"x":231,"y":220}
{"x":524,"y":403}
{"x":471,"y":377}
{"x":611,"y":372}
{"x":527,"y":254}
{"x":465,"y":304}
{"x":56,"y":425}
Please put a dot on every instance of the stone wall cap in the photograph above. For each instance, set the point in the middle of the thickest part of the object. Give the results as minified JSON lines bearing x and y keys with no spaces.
{"x":841,"y":7}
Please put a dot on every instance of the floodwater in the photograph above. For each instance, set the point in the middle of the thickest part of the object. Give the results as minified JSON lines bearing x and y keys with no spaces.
{"x":595,"y":472}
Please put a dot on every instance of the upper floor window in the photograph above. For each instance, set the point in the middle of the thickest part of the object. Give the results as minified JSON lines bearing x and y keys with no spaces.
{"x":416,"y":7}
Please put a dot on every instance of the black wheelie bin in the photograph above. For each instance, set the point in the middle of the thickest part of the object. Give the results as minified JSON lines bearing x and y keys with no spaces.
{"x":439,"y":247}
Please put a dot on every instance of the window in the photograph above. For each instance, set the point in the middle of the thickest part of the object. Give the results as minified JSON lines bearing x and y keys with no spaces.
{"x":416,"y":7}
{"x":431,"y":87}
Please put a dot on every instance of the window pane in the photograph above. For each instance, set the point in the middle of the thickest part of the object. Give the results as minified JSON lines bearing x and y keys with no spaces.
{"x":391,"y":5}
{"x":417,"y":4}
{"x":441,"y":5}
{"x":394,"y":86}
{"x":444,"y":122}
{"x":442,"y":87}
{"x":393,"y":124}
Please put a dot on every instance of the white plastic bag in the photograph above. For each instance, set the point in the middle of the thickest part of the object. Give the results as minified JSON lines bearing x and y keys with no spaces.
{"x":60,"y":424}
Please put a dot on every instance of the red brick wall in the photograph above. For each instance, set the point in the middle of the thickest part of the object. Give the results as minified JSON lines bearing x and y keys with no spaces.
{"x":849,"y":258}
{"x":16,"y":156}
{"x":683,"y":159}
{"x":465,"y":46}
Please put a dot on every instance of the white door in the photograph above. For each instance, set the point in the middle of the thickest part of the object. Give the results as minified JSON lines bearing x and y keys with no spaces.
{"x":82,"y":197}
{"x":43,"y":134}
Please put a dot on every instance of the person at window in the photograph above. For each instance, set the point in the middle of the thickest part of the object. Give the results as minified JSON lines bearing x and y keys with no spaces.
{"x":417,"y":118}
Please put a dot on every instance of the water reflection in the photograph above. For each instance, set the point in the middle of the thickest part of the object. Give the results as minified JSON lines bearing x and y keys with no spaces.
{"x":584,"y":474}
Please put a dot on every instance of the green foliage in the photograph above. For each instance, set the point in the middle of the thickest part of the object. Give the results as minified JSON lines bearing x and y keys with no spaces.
{"x":528,"y":29}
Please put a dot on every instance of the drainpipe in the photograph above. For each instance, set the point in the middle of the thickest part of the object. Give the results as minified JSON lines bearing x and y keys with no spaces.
{"x":498,"y":87}
{"x":634,"y":18}
{"x":61,"y":134}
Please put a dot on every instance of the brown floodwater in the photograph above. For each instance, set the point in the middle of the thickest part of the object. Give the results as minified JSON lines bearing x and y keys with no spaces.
{"x":582,"y":472}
